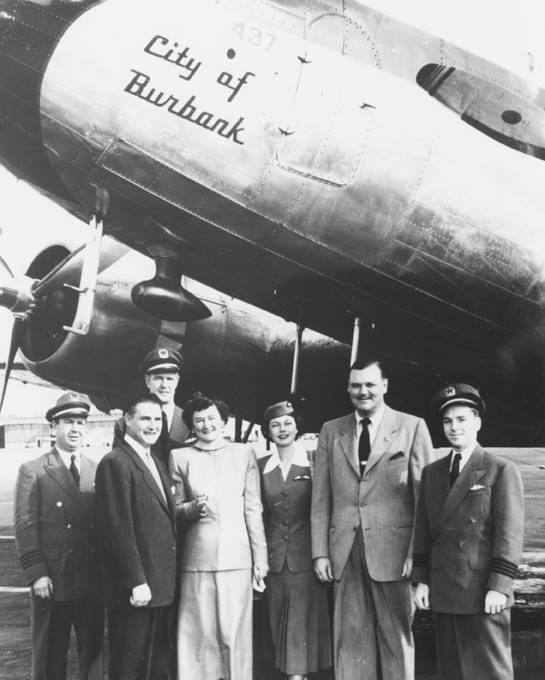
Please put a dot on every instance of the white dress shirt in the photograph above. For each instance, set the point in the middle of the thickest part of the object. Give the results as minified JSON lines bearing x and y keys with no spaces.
{"x":67,"y":458}
{"x":466,"y":455}
{"x":145,"y":455}
{"x":300,"y":458}
{"x":373,"y":426}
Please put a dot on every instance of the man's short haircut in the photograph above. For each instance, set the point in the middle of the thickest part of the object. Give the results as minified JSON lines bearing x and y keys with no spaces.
{"x":200,"y":402}
{"x":366,"y":361}
{"x":146,"y":398}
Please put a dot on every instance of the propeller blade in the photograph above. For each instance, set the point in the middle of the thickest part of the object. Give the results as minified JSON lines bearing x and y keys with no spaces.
{"x":4,"y":265}
{"x":17,"y":333}
{"x":69,"y":270}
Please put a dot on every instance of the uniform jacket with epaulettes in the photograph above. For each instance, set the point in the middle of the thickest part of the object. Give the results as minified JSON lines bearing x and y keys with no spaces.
{"x":468,"y":539}
{"x":55,"y":526}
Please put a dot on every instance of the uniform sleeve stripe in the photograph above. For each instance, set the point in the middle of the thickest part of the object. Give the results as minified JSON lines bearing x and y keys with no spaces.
{"x":31,"y":559}
{"x":501,"y":566}
{"x":421,"y":560}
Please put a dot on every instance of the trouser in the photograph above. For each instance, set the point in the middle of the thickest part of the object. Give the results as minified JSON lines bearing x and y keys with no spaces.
{"x":474,"y":646}
{"x":372,"y":621}
{"x":51,"y":624}
{"x":140,"y":642}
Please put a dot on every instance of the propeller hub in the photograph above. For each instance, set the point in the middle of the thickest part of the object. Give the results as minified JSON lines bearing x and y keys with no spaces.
{"x":16,"y":295}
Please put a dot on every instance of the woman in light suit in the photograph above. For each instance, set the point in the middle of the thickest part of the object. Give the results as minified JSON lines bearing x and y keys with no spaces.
{"x":297,"y":601}
{"x":218,"y":501}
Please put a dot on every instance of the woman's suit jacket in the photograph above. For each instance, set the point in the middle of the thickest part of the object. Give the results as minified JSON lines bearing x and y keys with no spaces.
{"x":231,"y":536}
{"x":287,"y":516}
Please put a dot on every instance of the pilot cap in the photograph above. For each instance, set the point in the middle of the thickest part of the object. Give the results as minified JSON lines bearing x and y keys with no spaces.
{"x":282,"y":408}
{"x":459,"y":394}
{"x":162,"y":360}
{"x":69,"y":404}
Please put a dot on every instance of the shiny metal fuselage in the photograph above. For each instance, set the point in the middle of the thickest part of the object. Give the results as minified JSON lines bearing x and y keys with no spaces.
{"x":287,"y":153}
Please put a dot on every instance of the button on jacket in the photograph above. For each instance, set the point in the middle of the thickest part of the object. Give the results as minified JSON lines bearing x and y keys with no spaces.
{"x":287,"y":516}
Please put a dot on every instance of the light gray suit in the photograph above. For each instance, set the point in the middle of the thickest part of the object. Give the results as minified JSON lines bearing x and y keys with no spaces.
{"x":373,"y":603}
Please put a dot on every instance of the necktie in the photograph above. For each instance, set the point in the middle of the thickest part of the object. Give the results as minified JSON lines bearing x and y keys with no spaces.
{"x":455,"y":469}
{"x":364,"y":443}
{"x":74,"y":468}
{"x":163,"y":437}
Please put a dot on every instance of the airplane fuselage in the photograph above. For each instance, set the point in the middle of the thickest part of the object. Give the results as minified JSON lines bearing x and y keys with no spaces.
{"x":290,"y":153}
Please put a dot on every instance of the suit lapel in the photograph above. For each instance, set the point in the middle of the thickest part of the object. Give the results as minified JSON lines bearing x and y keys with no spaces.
{"x":178,"y":429}
{"x":439,"y":487}
{"x":386,"y":429}
{"x":347,"y":438}
{"x":60,"y":474}
{"x":166,"y":488}
{"x":87,"y":474}
{"x":470,"y":475}
{"x":148,"y":477}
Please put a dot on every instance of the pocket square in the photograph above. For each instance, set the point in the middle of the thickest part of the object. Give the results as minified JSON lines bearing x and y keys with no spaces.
{"x":476,"y":487}
{"x":301,"y":478}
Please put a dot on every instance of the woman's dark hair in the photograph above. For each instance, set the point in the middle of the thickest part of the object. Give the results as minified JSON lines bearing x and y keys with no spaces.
{"x":199,"y":402}
{"x":293,"y":414}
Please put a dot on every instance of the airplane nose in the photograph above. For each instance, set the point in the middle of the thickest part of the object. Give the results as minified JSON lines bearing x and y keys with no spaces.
{"x":29,"y":33}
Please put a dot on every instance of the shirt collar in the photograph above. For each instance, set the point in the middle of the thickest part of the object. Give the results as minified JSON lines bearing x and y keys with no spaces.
{"x":464,"y":453}
{"x":375,"y":418}
{"x":66,"y":456}
{"x":300,"y":458}
{"x":142,"y":451}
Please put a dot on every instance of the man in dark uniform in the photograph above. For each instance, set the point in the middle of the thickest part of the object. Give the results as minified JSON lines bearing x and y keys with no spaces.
{"x":161,"y":370}
{"x":56,"y":544}
{"x":137,"y":540}
{"x":468,"y":542}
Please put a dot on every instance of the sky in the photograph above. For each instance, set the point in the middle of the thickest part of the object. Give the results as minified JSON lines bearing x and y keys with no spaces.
{"x":508,"y":33}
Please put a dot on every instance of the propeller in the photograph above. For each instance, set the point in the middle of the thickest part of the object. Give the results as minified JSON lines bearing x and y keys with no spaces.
{"x":48,"y":301}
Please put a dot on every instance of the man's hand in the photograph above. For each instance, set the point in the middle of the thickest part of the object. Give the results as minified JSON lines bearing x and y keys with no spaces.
{"x":407,"y":568}
{"x":323,"y":570}
{"x":422,"y":596}
{"x":43,"y":587}
{"x":494,"y":602}
{"x":141,"y":595}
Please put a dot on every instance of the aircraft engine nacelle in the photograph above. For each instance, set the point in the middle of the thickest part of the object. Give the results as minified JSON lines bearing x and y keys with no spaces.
{"x":103,"y":361}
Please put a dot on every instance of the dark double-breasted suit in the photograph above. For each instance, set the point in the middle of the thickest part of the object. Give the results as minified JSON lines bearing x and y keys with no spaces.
{"x":369,"y":519}
{"x":137,"y":541}
{"x":176,"y":436}
{"x":55,"y":537}
{"x":468,"y":540}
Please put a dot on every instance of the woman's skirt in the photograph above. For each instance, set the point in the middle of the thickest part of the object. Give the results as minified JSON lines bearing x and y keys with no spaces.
{"x":215,"y":625}
{"x":299,"y":620}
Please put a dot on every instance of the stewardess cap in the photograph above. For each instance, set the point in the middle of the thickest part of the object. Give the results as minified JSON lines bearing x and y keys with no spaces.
{"x":460,"y":394}
{"x":162,"y":360}
{"x":282,"y":408}
{"x":69,"y":404}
